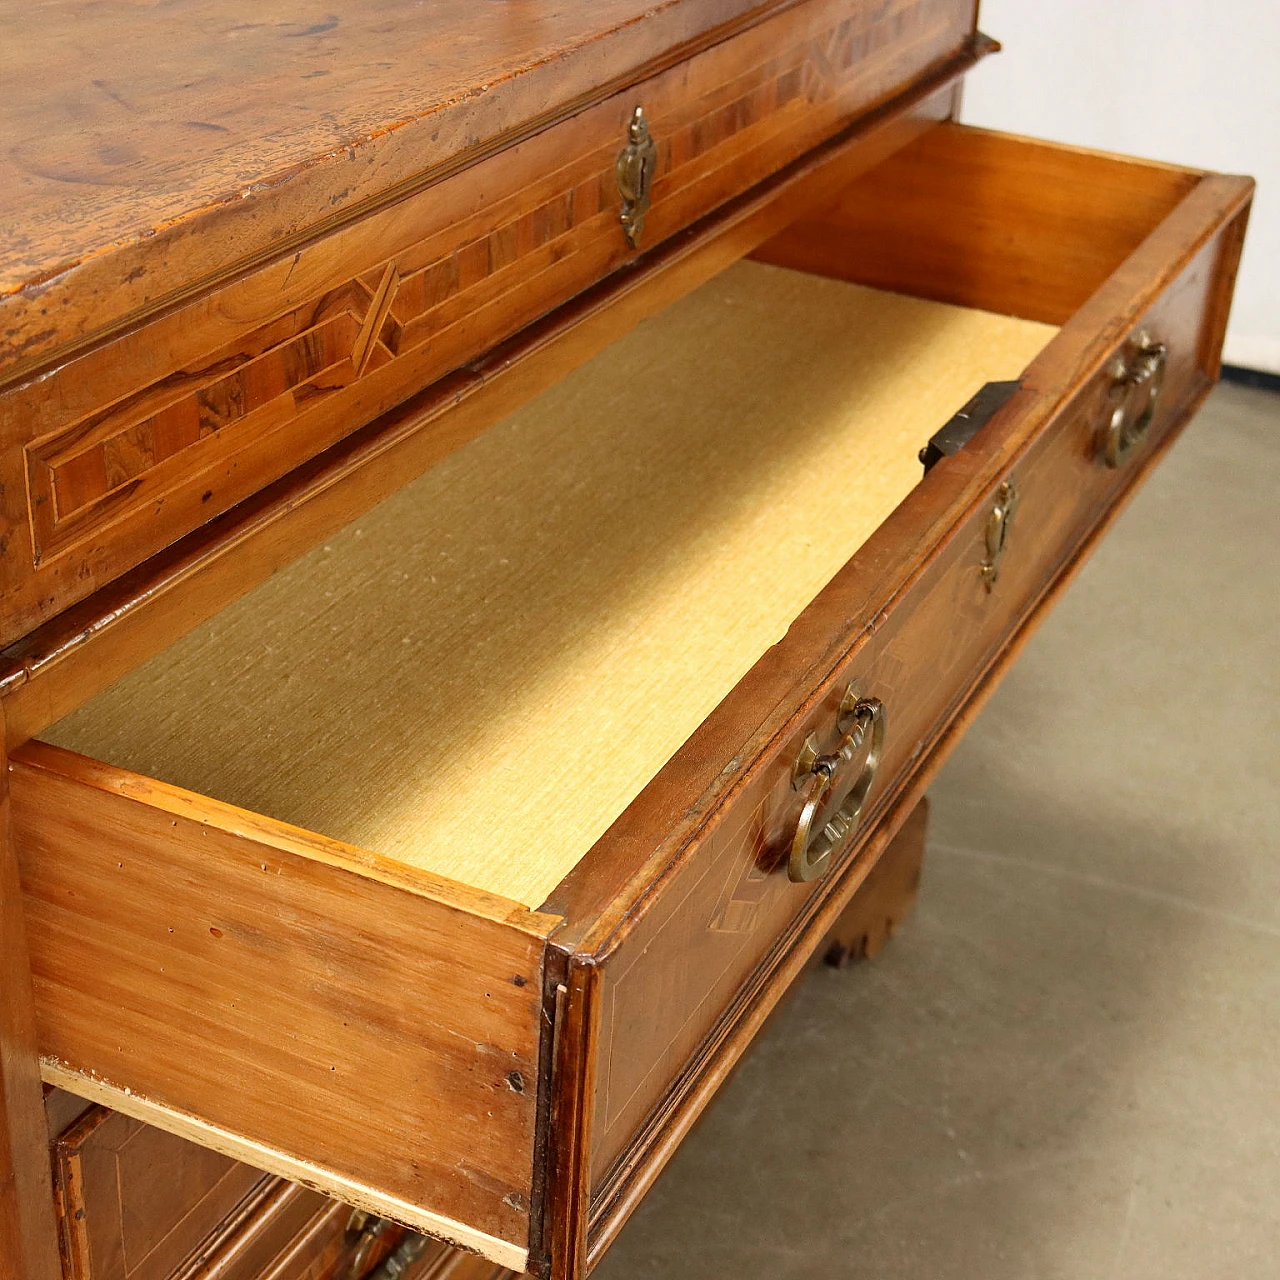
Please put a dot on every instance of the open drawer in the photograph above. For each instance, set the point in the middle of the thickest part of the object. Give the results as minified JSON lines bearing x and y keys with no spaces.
{"x":450,"y":869}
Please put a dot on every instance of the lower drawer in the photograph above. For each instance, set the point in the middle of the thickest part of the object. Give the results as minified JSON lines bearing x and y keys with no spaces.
{"x":134,"y":1201}
{"x":452,"y":868}
{"x":137,"y":1203}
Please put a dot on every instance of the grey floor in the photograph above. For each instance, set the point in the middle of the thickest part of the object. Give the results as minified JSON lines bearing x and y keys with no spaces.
{"x":1067,"y":1064}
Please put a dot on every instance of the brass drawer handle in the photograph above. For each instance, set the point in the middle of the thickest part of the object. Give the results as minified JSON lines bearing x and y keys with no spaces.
{"x":363,"y":1235}
{"x":1137,"y":377}
{"x":820,"y":831}
{"x":999,"y":523}
{"x":637,"y":163}
{"x":401,"y":1258}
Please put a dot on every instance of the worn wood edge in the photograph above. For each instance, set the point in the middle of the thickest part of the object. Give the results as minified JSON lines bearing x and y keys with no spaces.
{"x":1078,"y":353}
{"x":29,"y":1229}
{"x":31,"y":366}
{"x":635,"y":1170}
{"x":209,"y":1044}
{"x":461,"y":405}
{"x":40,"y":757}
{"x":566,"y":1197}
{"x":358,"y":210}
{"x":357,"y":1194}
{"x":555,"y":1011}
{"x":1228,"y":267}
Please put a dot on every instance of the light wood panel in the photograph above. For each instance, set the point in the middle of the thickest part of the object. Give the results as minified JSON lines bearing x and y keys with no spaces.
{"x":584,"y":583}
{"x":28,"y":1234}
{"x":989,"y":220}
{"x":233,"y":981}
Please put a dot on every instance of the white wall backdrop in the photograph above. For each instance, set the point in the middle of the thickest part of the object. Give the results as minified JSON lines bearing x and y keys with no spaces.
{"x":1194,"y":82}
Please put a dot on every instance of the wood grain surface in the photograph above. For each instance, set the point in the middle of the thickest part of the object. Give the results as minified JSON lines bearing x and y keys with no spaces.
{"x":120,"y":448}
{"x":281,"y":1232}
{"x":985,"y":219}
{"x":134,"y":1201}
{"x":63,"y":663}
{"x":587,"y":580}
{"x":293,"y":1003}
{"x":1173,"y":282}
{"x":137,"y":1203}
{"x":28,"y":1233}
{"x":906,"y":613}
{"x":1206,"y":226}
{"x":140,"y":116}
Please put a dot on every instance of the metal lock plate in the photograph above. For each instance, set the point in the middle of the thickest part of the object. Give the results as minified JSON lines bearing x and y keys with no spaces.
{"x":998,"y":525}
{"x":636,"y":168}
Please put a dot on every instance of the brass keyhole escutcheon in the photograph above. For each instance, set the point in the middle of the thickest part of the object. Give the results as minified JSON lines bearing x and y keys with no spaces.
{"x":1136,"y":379}
{"x":999,"y":523}
{"x":636,"y":167}
{"x":834,"y":796}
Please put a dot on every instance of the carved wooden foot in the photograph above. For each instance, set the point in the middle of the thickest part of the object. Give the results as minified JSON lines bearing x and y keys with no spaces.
{"x":883,"y":899}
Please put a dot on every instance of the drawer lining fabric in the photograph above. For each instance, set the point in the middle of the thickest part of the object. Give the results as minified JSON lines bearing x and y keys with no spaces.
{"x":479,"y":675}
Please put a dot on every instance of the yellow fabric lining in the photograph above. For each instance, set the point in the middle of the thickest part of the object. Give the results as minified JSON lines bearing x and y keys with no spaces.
{"x":480,"y":674}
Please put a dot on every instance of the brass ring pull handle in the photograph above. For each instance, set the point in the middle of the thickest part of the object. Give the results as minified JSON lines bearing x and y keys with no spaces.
{"x":832,"y":802}
{"x":1137,"y":377}
{"x":637,"y":164}
{"x":401,"y":1258}
{"x":363,"y":1236}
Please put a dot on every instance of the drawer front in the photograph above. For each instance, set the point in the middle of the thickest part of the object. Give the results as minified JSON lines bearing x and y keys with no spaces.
{"x":111,"y":455}
{"x":137,"y":1203}
{"x":496,"y":1076}
{"x":691,"y":964}
{"x":134,"y":1201}
{"x":286,"y":1232}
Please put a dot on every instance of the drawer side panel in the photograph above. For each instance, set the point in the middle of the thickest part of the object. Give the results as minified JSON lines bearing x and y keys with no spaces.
{"x":322,"y":1024}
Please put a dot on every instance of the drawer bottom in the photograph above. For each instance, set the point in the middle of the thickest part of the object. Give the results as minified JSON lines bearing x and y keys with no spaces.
{"x":596,"y":573}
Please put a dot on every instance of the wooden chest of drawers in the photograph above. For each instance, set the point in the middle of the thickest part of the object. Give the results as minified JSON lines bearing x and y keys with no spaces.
{"x":446,"y":861}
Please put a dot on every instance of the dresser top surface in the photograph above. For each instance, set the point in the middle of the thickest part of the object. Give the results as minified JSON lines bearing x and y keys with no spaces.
{"x":121,"y":118}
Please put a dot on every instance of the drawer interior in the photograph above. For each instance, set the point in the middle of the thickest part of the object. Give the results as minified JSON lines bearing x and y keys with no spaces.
{"x":989,"y":220}
{"x":480,"y":674}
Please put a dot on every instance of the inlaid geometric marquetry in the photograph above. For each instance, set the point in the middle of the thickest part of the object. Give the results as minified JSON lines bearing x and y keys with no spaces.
{"x":742,"y":898}
{"x":508,"y":252}
{"x":303,"y":353}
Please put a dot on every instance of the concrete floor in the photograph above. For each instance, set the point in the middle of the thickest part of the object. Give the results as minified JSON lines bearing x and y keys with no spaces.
{"x":1067,"y":1064}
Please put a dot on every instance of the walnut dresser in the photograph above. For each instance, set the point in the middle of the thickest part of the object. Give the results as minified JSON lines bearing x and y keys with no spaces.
{"x":503,"y":511}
